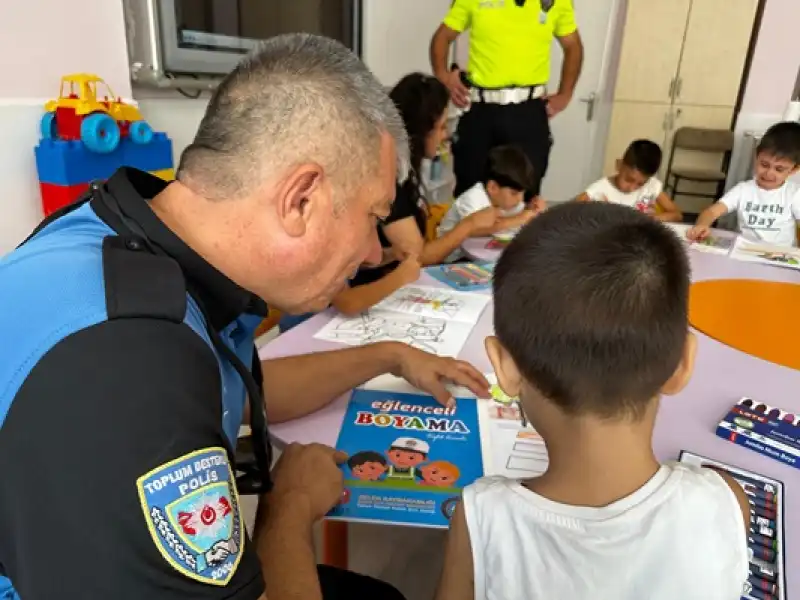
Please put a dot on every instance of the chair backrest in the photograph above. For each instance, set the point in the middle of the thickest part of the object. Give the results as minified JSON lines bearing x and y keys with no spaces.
{"x":436,"y":213}
{"x":704,"y":140}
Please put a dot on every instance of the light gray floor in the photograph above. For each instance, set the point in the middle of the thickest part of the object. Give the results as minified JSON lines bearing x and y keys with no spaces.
{"x":409,"y":559}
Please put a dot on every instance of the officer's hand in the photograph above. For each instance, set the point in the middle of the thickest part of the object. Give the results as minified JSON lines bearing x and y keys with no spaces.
{"x":429,"y":373}
{"x":459,"y":93}
{"x":556,"y":103}
{"x":308,"y":477}
{"x":483,"y":219}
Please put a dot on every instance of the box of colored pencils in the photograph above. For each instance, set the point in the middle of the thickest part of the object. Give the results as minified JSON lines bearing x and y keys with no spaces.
{"x":767,"y":430}
{"x":767,"y":578}
{"x":464,"y":276}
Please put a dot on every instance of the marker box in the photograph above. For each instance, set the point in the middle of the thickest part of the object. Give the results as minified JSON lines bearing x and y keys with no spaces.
{"x":765,"y":429}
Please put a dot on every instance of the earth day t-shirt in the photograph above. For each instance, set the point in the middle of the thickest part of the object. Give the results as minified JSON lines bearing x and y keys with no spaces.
{"x":768,"y":216}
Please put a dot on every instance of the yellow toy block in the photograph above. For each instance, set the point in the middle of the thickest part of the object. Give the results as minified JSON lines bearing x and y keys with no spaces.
{"x":165,"y":174}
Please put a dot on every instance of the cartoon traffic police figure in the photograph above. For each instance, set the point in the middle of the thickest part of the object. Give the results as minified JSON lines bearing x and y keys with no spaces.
{"x":404,"y":455}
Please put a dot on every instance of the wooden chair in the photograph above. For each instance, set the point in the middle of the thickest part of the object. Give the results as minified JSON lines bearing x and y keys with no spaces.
{"x":711,"y":141}
{"x":271,"y":321}
{"x":436,"y":213}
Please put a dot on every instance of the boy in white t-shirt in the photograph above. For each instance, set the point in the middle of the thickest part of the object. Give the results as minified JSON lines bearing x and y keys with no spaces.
{"x":508,"y":175}
{"x":767,"y":206}
{"x":590,"y":313}
{"x":635,"y":184}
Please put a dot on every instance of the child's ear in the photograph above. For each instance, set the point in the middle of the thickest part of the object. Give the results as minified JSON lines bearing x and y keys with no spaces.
{"x":680,"y":378}
{"x":508,"y":376}
{"x":492,"y":188}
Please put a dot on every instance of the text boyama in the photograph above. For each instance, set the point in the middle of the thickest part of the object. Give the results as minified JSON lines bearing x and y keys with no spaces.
{"x":421,"y":418}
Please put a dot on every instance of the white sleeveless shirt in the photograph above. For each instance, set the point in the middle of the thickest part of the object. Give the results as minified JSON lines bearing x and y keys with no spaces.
{"x":681,"y":535}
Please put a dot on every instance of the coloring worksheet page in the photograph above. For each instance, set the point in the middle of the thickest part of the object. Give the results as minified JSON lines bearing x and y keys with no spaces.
{"x":436,"y":303}
{"x":511,"y":446}
{"x":779,"y":256}
{"x":436,"y":320}
{"x":437,"y":336}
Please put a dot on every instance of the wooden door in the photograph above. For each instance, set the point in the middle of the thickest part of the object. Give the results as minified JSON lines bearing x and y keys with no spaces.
{"x":651,"y":49}
{"x":631,"y":121}
{"x":715,"y":51}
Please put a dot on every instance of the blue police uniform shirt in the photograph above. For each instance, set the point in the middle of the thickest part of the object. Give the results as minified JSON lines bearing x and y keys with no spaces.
{"x":55,"y":295}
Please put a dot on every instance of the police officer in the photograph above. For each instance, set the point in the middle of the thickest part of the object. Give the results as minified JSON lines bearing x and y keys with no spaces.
{"x":505,"y":86}
{"x":127,"y":361}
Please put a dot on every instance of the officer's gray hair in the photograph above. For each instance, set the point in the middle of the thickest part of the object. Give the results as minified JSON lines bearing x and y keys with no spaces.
{"x":296,"y":98}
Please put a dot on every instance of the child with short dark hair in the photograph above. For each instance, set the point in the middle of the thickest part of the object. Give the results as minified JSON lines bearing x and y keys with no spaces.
{"x":635,"y":183}
{"x":767,"y":206}
{"x":591,"y":326}
{"x":508,"y":175}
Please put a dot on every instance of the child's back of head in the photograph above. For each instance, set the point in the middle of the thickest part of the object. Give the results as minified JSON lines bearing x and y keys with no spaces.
{"x":591,"y":322}
{"x":591,"y":304}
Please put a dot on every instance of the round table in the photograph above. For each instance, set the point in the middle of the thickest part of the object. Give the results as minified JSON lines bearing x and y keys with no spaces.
{"x":476,"y":249}
{"x":685,"y":422}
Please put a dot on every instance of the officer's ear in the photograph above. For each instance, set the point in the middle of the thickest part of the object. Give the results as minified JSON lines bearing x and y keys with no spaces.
{"x":304,"y":191}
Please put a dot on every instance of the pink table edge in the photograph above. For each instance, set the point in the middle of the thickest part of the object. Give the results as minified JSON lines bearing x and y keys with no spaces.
{"x":685,"y":422}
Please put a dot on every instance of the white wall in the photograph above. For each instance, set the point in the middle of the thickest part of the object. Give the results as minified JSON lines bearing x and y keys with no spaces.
{"x":397,"y":34}
{"x":36,"y":50}
{"x":772,"y":76}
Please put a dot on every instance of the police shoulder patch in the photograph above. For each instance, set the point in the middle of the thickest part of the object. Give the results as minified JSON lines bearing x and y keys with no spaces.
{"x":191,"y":507}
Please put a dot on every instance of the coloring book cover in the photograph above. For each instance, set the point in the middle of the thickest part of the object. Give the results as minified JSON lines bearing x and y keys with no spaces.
{"x":409,"y":458}
{"x":436,"y":320}
{"x":464,"y":276}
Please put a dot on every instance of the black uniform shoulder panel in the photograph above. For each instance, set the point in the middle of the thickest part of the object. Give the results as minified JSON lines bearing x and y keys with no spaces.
{"x":139,"y":283}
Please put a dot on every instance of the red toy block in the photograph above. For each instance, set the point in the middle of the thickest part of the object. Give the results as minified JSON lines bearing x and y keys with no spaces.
{"x":58,"y":196}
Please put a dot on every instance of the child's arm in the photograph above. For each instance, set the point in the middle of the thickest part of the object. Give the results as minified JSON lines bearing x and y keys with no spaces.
{"x":706,"y":219}
{"x":355,"y":300}
{"x":583,"y":197}
{"x":505,"y":223}
{"x":457,"y":581}
{"x":669,"y":210}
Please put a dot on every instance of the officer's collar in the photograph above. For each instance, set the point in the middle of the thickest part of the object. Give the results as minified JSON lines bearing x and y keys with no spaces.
{"x":222,"y":299}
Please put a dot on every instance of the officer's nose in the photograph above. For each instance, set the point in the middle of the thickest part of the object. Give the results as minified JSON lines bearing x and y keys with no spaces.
{"x":374,"y":250}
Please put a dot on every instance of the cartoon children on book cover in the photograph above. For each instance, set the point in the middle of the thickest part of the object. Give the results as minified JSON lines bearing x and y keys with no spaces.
{"x":409,"y":457}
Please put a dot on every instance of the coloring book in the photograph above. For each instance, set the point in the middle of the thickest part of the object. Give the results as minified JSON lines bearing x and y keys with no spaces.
{"x":715,"y":243}
{"x":436,"y":320}
{"x":464,"y":276}
{"x":410,"y":457}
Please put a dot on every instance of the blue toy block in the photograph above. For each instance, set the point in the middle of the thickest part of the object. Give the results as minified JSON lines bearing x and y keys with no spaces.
{"x":62,"y":162}
{"x":154,"y":156}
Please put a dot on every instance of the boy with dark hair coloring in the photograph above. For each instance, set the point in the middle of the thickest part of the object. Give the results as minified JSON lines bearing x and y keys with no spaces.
{"x":635,"y":183}
{"x":767,"y":206}
{"x":508,"y":175}
{"x":592,"y":328}
{"x":367,"y":465}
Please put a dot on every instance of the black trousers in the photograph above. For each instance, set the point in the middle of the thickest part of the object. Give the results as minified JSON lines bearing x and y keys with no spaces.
{"x":338,"y":584}
{"x":485,"y":126}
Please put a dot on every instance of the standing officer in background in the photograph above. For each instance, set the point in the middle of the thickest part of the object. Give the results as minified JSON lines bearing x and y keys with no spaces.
{"x":505,"y":88}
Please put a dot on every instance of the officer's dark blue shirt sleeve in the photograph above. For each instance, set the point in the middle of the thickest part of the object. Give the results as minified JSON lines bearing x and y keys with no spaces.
{"x":116,"y":480}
